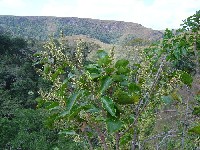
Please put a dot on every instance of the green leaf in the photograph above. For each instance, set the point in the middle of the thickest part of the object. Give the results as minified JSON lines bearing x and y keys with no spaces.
{"x":75,"y":111}
{"x":94,"y":71}
{"x":134,"y":87}
{"x":101,"y":54}
{"x":184,"y":51}
{"x":40,"y":102}
{"x":121,"y":63}
{"x":167,"y":99}
{"x":57,"y":73}
{"x":113,"y":125}
{"x":93,"y":68}
{"x":108,"y":105}
{"x":186,"y":78}
{"x":95,"y":76}
{"x":67,"y":132}
{"x":109,"y":70}
{"x":122,"y":97}
{"x":125,"y":139}
{"x":105,"y":83}
{"x":177,"y":54}
{"x":195,"y":130}
{"x":118,"y":78}
{"x":47,"y":68}
{"x":196,"y":110}
{"x":72,"y":99}
{"x":53,"y":105}
{"x":105,"y":61}
{"x":123,"y":70}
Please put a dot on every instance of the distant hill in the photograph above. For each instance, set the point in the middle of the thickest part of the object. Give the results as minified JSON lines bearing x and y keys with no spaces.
{"x":106,"y":31}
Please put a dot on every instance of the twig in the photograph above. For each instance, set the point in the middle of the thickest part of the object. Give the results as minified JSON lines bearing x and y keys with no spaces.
{"x":134,"y":139}
{"x":117,"y":140}
{"x":159,"y":135}
{"x":102,"y":138}
{"x":146,"y":98}
{"x":88,"y":140}
{"x":185,"y":123}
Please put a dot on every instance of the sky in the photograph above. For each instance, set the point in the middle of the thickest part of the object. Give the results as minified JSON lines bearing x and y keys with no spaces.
{"x":155,"y":14}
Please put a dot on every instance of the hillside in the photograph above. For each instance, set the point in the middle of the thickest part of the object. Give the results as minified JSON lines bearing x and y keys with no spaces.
{"x":40,"y":28}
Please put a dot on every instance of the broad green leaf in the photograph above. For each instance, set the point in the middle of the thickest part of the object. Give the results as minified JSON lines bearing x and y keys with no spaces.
{"x":109,"y":70}
{"x":67,"y":132}
{"x":75,"y":111}
{"x":134,"y":87}
{"x":123,"y":70}
{"x":124,"y":83}
{"x":177,"y":54}
{"x":93,"y":109}
{"x":113,"y":125}
{"x":105,"y":83}
{"x":186,"y":78}
{"x":167,"y":99}
{"x":105,"y":61}
{"x":94,"y":75}
{"x":122,"y":97}
{"x":101,"y":54}
{"x":108,"y":105}
{"x":195,"y":130}
{"x":72,"y":99}
{"x":184,"y":51}
{"x":121,"y":63}
{"x":53,"y":105}
{"x":47,"y":68}
{"x":117,"y":78}
{"x":93,"y":68}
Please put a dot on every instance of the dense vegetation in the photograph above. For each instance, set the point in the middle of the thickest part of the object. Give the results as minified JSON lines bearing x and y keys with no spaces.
{"x":106,"y":31}
{"x":59,"y":98}
{"x":21,"y":124}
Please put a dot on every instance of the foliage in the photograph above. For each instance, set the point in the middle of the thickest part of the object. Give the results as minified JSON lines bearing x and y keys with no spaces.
{"x":108,"y":99}
{"x":106,"y":103}
{"x":21,"y":125}
{"x":106,"y":31}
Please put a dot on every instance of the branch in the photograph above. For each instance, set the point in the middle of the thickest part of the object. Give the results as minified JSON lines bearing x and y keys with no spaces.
{"x":165,"y":135}
{"x":88,"y":140}
{"x":159,"y":135}
{"x":146,"y":97}
{"x":117,"y":137}
{"x":102,"y":138}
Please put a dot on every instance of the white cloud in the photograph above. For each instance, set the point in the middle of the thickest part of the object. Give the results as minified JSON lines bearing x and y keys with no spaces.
{"x":156,"y":14}
{"x":167,"y":13}
{"x":160,"y":14}
{"x":12,"y":3}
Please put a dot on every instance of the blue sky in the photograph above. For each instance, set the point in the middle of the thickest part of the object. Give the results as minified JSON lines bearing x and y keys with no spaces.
{"x":155,"y":14}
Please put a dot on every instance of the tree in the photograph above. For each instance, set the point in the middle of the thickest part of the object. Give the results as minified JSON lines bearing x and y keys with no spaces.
{"x":109,"y":100}
{"x":192,"y":27}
